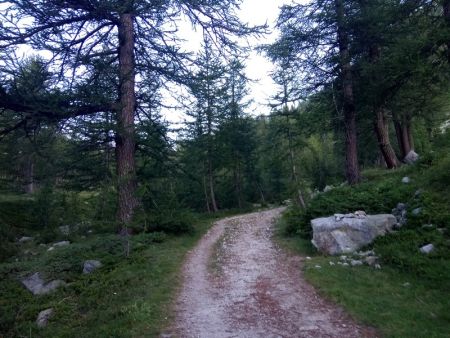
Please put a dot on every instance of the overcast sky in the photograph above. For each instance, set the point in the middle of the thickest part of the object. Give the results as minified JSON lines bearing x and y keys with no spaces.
{"x":253,"y":12}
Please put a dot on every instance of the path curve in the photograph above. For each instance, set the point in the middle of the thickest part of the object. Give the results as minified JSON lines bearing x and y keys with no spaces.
{"x":238,"y":283}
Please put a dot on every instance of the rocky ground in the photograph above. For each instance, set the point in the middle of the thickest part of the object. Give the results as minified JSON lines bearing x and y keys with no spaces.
{"x":238,"y":283}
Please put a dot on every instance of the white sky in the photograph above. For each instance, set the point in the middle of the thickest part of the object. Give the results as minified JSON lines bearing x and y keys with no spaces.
{"x":258,"y":68}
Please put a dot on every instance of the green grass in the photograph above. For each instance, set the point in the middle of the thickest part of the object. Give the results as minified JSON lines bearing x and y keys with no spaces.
{"x":127,"y":297}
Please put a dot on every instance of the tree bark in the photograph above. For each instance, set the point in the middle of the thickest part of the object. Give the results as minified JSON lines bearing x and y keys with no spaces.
{"x":211,"y":187}
{"x":125,"y":143}
{"x":404,"y":136}
{"x":382,"y":131}
{"x":352,"y":171}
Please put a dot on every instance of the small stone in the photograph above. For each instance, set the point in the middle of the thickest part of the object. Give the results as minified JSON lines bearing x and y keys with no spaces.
{"x":428,"y":226}
{"x":442,"y":230}
{"x":65,"y":230}
{"x":91,"y":265}
{"x":318,"y":267}
{"x":345,"y":264}
{"x":327,"y":188}
{"x":406,"y":284}
{"x":377,"y":266}
{"x":339,"y":263}
{"x":406,"y":180}
{"x":426,"y":249}
{"x":25,"y":239}
{"x":418,"y":193}
{"x":43,"y":317}
{"x":62,"y":243}
{"x":331,"y":263}
{"x":308,"y":258}
{"x":411,"y":158}
{"x":37,"y":286}
{"x":371,"y":260}
{"x":401,"y":206}
{"x":343,"y":258}
{"x":416,"y":211}
{"x":356,"y":262}
{"x":51,"y":249}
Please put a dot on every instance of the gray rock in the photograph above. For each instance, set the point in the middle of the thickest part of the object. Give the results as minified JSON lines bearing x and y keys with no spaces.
{"x":442,"y":230}
{"x":345,"y":264}
{"x":51,"y":248}
{"x":65,"y":230}
{"x":327,"y":188}
{"x":416,"y":211}
{"x":356,"y":262}
{"x":406,"y":180}
{"x":371,"y":260}
{"x":418,"y":193}
{"x":401,"y":206}
{"x":91,"y":265}
{"x":411,"y":158}
{"x":37,"y":286}
{"x":426,"y":249}
{"x":366,"y":253}
{"x":407,"y":284}
{"x":44,"y":317}
{"x":332,"y":263}
{"x":62,"y":243}
{"x":318,"y":267}
{"x":25,"y":239}
{"x":377,"y":266}
{"x":349,"y":234}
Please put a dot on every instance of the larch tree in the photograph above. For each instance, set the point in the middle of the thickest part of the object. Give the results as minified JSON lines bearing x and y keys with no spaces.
{"x":134,"y":37}
{"x":315,"y":38}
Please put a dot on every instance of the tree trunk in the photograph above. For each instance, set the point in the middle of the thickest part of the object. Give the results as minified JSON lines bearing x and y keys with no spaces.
{"x":205,"y":189}
{"x":211,"y":187}
{"x":351,"y":151}
{"x":125,"y":143}
{"x":404,"y":137}
{"x":382,"y":131}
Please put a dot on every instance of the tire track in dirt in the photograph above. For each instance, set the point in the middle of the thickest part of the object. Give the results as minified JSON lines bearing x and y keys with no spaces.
{"x":252,"y":288}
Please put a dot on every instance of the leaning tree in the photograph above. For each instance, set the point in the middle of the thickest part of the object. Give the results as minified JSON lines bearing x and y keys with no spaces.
{"x":136,"y":39}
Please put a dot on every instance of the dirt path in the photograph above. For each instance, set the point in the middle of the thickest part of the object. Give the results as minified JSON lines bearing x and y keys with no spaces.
{"x":237,"y":283}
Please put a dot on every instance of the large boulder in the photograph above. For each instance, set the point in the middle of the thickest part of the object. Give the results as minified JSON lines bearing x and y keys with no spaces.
{"x":347,"y":233}
{"x":37,"y":286}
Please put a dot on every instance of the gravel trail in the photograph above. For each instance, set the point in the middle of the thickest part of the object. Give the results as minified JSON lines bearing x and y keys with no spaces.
{"x":238,"y":283}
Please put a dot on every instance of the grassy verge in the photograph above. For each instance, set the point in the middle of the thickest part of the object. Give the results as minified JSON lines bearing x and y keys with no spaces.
{"x":127,"y":297}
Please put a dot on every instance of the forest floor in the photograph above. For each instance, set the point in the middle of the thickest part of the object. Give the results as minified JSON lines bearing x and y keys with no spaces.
{"x":239,"y":283}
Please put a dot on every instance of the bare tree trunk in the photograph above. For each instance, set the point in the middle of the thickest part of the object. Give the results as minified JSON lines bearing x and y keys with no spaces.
{"x":125,"y":143}
{"x":351,"y":159}
{"x":211,"y":187}
{"x":404,"y":137}
{"x":382,"y":131}
{"x":261,"y":193}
